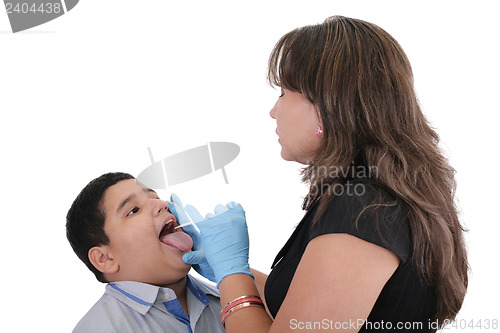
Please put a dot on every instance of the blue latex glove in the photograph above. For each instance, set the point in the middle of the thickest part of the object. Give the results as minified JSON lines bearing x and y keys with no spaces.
{"x":225,"y":241}
{"x":197,"y":256}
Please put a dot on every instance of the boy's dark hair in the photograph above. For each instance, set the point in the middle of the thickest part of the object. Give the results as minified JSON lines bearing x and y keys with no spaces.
{"x":85,"y":218}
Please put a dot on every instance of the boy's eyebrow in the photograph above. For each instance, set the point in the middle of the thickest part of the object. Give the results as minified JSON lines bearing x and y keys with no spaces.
{"x":124,"y":202}
{"x":131,"y":197}
{"x":150,"y":191}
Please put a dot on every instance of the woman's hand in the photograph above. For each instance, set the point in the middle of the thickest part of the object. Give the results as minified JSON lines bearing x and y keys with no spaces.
{"x":221,"y":247}
{"x":197,"y":256}
{"x":225,"y":240}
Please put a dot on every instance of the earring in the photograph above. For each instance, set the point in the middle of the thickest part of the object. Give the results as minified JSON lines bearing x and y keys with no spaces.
{"x":319,"y":131}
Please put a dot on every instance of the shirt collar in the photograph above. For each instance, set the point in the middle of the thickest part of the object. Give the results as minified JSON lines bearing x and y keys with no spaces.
{"x":141,"y":296}
{"x":201,"y":290}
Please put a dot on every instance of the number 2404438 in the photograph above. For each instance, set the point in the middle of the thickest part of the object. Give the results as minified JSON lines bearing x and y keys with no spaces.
{"x":26,"y":8}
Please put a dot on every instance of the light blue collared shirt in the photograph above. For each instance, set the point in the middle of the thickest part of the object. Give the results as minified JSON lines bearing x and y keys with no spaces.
{"x":129,"y":306}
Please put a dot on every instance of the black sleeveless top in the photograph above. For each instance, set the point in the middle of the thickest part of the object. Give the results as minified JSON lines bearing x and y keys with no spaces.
{"x":405,"y":304}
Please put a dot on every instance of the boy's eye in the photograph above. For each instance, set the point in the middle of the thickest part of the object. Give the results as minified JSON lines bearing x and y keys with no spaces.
{"x":133,"y":211}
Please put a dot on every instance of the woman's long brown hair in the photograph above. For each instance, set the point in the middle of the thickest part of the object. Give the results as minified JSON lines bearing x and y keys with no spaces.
{"x":361,"y":82}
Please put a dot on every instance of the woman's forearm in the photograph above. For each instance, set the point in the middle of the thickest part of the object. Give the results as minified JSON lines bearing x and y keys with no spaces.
{"x":260,"y":282}
{"x":251,"y":319}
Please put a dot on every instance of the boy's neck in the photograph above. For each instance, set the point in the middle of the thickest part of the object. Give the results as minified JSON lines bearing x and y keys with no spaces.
{"x":180,"y":290}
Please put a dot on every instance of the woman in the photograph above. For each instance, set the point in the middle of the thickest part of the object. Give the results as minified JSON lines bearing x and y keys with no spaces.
{"x":381,"y":246}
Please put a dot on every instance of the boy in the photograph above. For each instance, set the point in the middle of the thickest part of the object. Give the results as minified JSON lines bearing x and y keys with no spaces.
{"x":125,"y":235}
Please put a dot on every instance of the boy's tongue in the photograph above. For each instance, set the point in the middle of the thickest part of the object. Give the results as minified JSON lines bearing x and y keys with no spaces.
{"x":179,"y":240}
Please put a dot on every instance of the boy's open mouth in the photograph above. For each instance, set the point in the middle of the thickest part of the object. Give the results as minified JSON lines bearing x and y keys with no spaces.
{"x":168,"y":228}
{"x":175,"y":238}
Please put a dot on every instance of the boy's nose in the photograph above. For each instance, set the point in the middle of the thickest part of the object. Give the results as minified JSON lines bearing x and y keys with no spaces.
{"x":159,"y":206}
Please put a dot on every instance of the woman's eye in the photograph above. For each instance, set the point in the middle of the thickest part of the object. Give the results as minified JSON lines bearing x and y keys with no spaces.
{"x":133,"y":211}
{"x":282,"y":94}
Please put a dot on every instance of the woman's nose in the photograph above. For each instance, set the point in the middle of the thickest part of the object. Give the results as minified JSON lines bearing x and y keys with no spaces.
{"x":272,"y":113}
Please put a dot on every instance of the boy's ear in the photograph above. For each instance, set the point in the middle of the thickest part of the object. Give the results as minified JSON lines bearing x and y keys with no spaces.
{"x":102,"y":259}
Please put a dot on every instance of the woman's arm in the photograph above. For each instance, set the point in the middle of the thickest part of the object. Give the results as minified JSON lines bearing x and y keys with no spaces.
{"x":337,"y":282}
{"x":260,"y":283}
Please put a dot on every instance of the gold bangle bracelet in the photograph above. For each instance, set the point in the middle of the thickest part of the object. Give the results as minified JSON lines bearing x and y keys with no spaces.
{"x":239,"y":307}
{"x":236,"y":299}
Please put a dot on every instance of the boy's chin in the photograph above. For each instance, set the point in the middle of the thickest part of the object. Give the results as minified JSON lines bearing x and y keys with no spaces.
{"x":180,"y":264}
{"x":174,"y":277}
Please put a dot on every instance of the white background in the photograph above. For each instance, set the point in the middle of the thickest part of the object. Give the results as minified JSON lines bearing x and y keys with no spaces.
{"x":88,"y":92}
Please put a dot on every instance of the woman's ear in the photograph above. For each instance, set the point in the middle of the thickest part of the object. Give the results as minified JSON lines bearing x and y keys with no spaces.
{"x":102,"y":259}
